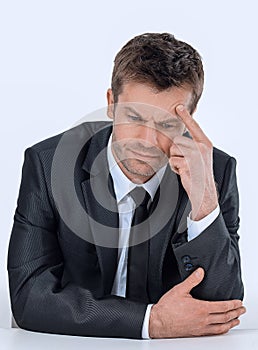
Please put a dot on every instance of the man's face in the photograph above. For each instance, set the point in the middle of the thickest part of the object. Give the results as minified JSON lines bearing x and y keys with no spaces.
{"x":144,"y":125}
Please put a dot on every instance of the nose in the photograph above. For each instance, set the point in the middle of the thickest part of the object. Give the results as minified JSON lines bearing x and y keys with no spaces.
{"x":149,"y":134}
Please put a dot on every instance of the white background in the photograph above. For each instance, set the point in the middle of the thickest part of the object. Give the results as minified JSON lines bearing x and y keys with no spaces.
{"x":55,"y":66}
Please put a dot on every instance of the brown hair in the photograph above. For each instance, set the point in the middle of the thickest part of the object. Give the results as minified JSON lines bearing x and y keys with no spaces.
{"x":160,"y":60}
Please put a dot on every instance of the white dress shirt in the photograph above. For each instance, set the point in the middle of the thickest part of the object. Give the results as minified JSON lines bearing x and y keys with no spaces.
{"x":126,"y":206}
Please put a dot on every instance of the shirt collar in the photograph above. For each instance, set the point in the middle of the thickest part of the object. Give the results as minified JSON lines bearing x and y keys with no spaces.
{"x":122,"y":185}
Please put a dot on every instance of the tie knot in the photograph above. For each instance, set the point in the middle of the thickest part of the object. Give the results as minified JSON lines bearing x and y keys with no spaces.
{"x":140,"y":196}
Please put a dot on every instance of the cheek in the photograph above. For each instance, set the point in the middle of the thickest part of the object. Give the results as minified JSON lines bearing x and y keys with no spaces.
{"x":121,"y":132}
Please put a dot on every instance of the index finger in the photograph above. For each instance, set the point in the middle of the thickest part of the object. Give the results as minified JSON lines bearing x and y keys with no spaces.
{"x":191,"y":124}
{"x":224,"y":306}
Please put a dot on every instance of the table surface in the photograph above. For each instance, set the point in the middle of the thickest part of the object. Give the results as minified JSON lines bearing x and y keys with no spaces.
{"x":19,"y":339}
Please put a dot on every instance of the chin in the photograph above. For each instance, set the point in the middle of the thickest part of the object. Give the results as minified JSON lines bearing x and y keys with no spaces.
{"x":141,"y":168}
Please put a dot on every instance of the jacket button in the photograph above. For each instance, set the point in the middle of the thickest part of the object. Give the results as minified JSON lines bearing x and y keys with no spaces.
{"x":186,"y":259}
{"x":188,"y":267}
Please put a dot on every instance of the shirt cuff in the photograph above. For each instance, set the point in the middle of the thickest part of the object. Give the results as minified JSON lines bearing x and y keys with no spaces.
{"x":145,"y":326}
{"x":195,"y":228}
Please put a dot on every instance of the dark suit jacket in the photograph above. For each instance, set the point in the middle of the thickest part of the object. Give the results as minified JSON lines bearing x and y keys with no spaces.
{"x":61,"y":281}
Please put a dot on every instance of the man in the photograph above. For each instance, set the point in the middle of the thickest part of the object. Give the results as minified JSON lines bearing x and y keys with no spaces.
{"x":129,"y":229}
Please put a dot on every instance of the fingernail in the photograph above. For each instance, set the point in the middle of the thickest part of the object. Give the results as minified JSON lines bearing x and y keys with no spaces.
{"x":198,"y":272}
{"x":180,"y":108}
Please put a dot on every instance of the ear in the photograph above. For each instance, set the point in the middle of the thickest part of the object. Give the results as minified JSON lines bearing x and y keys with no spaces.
{"x":110,"y":101}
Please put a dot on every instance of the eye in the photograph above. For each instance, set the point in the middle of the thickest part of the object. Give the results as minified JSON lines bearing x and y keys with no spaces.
{"x":135,"y":118}
{"x":166,"y":125}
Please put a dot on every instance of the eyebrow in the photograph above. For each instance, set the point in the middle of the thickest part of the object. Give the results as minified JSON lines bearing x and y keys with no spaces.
{"x":168,"y":120}
{"x":130,"y":109}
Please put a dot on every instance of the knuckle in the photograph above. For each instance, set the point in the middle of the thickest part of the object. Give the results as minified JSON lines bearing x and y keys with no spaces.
{"x":206,"y":321}
{"x":216,"y":329}
{"x":237,"y":313}
{"x":208,"y":307}
{"x":226,"y":317}
{"x":176,"y":290}
{"x":222,"y":328}
{"x":225,"y":307}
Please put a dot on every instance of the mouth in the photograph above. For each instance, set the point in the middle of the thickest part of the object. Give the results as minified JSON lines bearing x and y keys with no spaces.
{"x":145,"y":155}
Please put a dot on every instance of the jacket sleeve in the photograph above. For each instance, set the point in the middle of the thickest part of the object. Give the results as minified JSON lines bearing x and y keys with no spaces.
{"x":35,"y":268}
{"x":216,"y":248}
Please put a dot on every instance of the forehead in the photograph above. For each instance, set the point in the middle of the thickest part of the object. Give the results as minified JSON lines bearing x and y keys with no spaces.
{"x":145,"y":112}
{"x":146,"y":97}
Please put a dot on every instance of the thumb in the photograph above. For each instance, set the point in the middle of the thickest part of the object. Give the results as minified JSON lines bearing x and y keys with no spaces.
{"x":191,"y":281}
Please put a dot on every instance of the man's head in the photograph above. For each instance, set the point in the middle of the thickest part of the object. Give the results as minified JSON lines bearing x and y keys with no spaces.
{"x":161,"y":61}
{"x":152,"y":74}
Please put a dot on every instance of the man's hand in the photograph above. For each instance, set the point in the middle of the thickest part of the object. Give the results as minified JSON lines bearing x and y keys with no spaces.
{"x":178,"y":314}
{"x":192,"y":160}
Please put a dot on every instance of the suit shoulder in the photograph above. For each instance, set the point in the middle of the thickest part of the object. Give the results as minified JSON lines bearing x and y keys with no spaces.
{"x":221,"y":162}
{"x":50,"y":144}
{"x":220,"y":157}
{"x":47,"y":144}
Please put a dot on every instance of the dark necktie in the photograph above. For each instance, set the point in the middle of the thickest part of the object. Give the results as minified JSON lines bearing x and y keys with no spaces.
{"x":137,"y":266}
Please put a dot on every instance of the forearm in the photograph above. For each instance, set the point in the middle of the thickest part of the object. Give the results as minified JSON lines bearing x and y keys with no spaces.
{"x":73,"y":311}
{"x":41,"y":303}
{"x":44,"y":296}
{"x":217,"y":252}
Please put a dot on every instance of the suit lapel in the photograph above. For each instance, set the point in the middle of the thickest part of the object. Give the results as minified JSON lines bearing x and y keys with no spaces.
{"x":101,"y":207}
{"x":172,"y":202}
